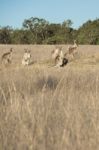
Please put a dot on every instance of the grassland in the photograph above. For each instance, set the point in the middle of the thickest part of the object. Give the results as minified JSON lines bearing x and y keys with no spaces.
{"x":48,"y":108}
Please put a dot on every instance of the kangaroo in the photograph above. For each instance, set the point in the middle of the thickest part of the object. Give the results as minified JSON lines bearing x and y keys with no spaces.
{"x":7,"y":57}
{"x":26,"y":58}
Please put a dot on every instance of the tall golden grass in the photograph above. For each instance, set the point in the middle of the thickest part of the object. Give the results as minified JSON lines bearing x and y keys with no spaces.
{"x":50,"y":108}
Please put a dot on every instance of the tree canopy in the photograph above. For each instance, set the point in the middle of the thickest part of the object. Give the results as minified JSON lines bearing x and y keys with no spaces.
{"x":39,"y":31}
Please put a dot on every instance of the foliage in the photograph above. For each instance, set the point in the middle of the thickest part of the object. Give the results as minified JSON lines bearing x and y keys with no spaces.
{"x":37,"y":27}
{"x":39,"y":31}
{"x":5,"y":34}
{"x":89,"y":32}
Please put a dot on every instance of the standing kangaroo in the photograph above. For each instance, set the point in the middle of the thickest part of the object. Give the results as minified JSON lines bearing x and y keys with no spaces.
{"x":26,"y":58}
{"x":7,"y":57}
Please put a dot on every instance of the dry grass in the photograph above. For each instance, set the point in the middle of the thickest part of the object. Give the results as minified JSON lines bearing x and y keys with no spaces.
{"x":46,"y":108}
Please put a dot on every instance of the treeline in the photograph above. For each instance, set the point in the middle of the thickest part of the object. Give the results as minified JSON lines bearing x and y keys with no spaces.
{"x":40,"y":31}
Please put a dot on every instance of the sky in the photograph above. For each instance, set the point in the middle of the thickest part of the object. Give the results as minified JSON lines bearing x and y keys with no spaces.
{"x":14,"y":12}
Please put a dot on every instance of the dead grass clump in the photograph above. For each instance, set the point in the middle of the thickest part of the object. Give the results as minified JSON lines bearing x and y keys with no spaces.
{"x":47,"y":82}
{"x":5,"y":92}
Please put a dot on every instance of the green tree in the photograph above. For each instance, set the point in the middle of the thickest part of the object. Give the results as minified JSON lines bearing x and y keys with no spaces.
{"x":67,"y":23}
{"x":67,"y":31}
{"x":21,"y":37}
{"x":88,"y":33}
{"x":38,"y":28}
{"x":5,"y":35}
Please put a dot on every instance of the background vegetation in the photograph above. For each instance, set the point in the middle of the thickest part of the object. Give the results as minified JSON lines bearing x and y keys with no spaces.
{"x":40,"y":31}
